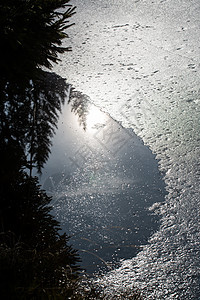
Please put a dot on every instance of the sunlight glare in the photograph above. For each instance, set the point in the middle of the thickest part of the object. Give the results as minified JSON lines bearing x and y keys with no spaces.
{"x":95,"y":118}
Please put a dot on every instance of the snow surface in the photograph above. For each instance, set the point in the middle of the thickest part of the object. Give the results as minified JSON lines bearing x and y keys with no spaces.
{"x":139,"y":61}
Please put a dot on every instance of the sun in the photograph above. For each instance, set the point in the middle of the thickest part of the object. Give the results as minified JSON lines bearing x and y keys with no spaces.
{"x":95,"y":118}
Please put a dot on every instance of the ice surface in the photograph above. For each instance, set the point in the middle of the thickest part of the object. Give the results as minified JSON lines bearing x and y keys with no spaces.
{"x":139,"y":61}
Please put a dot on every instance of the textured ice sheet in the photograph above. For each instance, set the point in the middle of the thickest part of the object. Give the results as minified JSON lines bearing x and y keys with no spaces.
{"x":139,"y":61}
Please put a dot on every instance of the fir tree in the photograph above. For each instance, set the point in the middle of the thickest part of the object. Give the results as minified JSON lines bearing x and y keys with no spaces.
{"x":36,"y":261}
{"x":31,"y":33}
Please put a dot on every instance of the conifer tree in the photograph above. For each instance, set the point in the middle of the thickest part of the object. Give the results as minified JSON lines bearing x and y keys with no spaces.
{"x":36,"y":261}
{"x":31,"y":34}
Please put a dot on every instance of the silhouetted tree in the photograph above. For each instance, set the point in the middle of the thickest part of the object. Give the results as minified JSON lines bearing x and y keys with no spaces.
{"x":34,"y":258}
{"x":31,"y":33}
{"x":36,"y":261}
{"x":30,"y":116}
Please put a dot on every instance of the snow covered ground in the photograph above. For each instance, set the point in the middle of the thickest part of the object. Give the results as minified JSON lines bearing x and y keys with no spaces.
{"x":139,"y":61}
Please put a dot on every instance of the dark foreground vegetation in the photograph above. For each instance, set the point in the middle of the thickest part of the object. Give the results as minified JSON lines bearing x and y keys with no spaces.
{"x":36,"y":261}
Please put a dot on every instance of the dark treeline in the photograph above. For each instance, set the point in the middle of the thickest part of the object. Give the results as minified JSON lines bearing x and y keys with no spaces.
{"x":36,"y":261}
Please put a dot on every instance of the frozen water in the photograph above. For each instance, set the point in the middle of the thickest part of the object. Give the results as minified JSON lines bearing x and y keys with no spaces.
{"x":139,"y":61}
